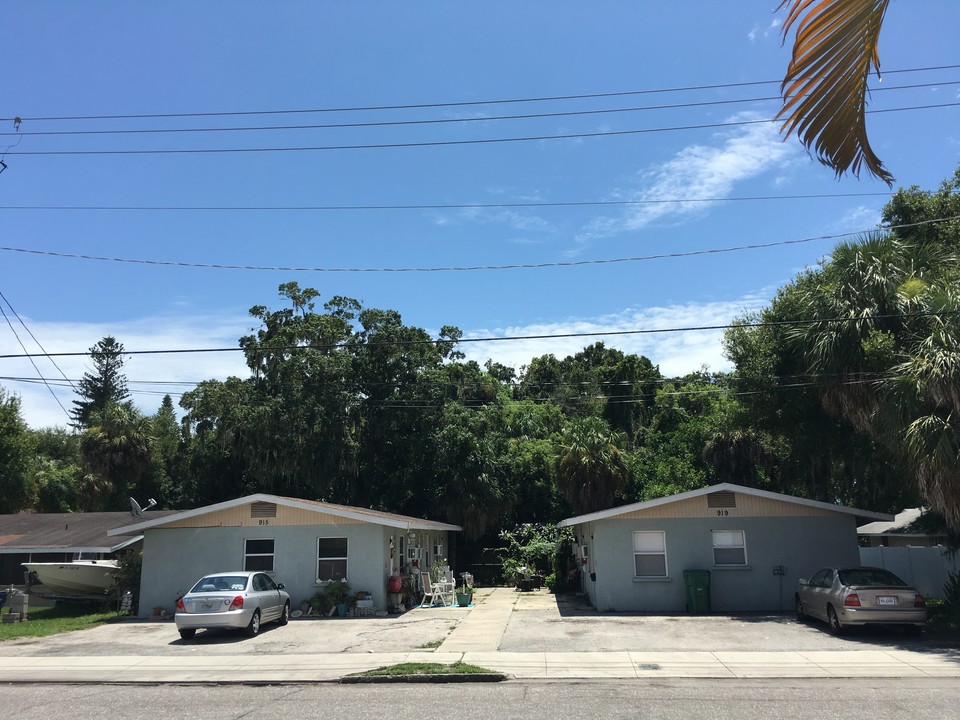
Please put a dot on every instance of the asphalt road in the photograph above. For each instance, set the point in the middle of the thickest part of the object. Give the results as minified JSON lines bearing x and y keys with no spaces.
{"x":931,"y":699}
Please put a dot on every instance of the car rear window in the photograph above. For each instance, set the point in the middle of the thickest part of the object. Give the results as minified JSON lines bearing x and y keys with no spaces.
{"x":220,"y":583}
{"x":870,"y":576}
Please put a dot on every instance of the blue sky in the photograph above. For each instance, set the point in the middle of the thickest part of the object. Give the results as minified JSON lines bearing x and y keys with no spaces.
{"x":117,"y":58}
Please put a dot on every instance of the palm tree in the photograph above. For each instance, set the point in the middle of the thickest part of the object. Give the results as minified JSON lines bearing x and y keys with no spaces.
{"x":825,"y":87}
{"x":592,"y":467}
{"x":886,"y":343}
{"x":116,"y":448}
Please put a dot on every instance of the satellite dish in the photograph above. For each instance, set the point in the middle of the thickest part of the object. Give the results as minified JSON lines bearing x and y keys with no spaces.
{"x":135,"y":508}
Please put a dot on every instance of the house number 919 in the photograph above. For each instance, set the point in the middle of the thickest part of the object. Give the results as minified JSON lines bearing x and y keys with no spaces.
{"x":263,"y":522}
{"x":722,"y":513}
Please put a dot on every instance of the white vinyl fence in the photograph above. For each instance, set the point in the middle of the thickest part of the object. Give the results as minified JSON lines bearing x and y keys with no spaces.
{"x":926,"y":568}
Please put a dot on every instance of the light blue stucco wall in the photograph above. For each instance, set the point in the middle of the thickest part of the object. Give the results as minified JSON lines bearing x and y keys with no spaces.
{"x":800,"y":544}
{"x":175,"y":558}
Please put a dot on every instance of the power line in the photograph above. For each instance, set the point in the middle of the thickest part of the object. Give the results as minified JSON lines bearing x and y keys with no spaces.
{"x":353,"y":345}
{"x":418,"y":106}
{"x":437,"y":143}
{"x":434,"y":121}
{"x":467,"y":268}
{"x":20,"y":343}
{"x":440,"y":206}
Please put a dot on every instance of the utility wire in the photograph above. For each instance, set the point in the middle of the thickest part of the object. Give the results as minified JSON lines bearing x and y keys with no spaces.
{"x":437,"y":121}
{"x":353,"y":344}
{"x":470,"y":268}
{"x":440,"y":206}
{"x":30,"y":357}
{"x":470,"y":103}
{"x":438,"y":143}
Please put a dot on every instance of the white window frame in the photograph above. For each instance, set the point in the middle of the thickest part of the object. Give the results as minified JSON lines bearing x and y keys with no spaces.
{"x":649,"y":553}
{"x":741,"y":546}
{"x":247,"y":554}
{"x":331,"y":558}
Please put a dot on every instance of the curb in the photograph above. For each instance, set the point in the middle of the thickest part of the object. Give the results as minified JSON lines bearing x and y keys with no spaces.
{"x":424,"y":678}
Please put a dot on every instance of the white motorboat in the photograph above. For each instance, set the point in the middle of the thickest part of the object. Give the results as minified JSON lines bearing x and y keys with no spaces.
{"x":76,"y":578}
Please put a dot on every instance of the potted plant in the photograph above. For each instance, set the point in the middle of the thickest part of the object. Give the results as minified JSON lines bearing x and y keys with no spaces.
{"x":464,"y":595}
{"x":337,"y":592}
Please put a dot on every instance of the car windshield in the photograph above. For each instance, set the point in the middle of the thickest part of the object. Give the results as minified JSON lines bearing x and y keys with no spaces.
{"x":218,"y":583}
{"x":870,"y":576}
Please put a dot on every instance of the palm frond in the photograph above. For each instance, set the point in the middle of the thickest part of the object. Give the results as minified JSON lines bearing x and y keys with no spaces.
{"x":825,"y":88}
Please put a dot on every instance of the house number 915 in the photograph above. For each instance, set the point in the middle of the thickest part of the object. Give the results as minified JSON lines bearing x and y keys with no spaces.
{"x":722,"y":513}
{"x":263,"y":522}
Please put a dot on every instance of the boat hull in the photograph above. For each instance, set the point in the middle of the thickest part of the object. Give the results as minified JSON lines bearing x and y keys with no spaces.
{"x":78,"y":578}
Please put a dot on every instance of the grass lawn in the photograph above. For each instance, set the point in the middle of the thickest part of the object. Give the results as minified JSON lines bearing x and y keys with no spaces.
{"x":427,"y":669}
{"x":53,"y":620}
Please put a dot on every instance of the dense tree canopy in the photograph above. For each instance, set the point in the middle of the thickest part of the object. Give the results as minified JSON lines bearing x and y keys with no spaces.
{"x":845,"y":390}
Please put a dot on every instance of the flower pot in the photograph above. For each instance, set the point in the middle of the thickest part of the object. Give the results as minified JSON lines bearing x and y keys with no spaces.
{"x":342,"y":609}
{"x":464,"y":599}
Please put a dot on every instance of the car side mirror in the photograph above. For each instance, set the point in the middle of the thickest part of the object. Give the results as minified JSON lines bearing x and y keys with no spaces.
{"x":802,"y":581}
{"x":279,"y":586}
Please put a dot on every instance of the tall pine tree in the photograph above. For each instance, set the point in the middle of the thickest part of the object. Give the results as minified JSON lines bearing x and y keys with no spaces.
{"x":103,"y":387}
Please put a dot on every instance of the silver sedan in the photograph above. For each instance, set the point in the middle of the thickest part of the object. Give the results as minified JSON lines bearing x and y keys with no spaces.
{"x":860,"y":596}
{"x":242,"y":600}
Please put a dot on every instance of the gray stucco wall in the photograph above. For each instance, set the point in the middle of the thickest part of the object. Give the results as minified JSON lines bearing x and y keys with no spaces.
{"x":800,"y":544}
{"x":175,"y":558}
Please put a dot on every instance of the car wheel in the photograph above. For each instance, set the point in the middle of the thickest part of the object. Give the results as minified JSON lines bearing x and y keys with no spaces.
{"x":187,"y":634}
{"x":833,"y":621}
{"x":285,"y":615}
{"x":798,"y":607}
{"x":254,"y":627}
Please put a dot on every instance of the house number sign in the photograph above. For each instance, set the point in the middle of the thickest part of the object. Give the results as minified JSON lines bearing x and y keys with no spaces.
{"x":722,"y":513}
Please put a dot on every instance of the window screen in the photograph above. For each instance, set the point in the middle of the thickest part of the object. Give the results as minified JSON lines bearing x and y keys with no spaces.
{"x":650,"y":554}
{"x":729,"y":547}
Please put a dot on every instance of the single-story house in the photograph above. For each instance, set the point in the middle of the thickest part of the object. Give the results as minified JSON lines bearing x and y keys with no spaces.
{"x":300,"y":543}
{"x":59,"y":537}
{"x":754,"y":544}
{"x":905,"y":530}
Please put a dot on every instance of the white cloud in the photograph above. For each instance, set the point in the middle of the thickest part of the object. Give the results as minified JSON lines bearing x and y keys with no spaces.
{"x":40,"y":409}
{"x":697,"y":171}
{"x":858,"y":219}
{"x":676,"y":353}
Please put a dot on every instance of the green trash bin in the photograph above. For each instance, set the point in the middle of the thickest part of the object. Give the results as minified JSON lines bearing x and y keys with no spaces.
{"x":698,"y":591}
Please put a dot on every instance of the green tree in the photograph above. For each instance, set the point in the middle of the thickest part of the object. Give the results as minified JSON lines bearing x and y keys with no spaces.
{"x":105,"y":386}
{"x":592,"y":468}
{"x":116,"y":450}
{"x":16,"y":449}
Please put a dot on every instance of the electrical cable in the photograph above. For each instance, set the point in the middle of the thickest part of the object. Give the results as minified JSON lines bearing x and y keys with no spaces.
{"x":469,"y":268}
{"x":434,"y":143}
{"x":469,"y":103}
{"x":435,"y":121}
{"x":442,"y":206}
{"x":353,"y":345}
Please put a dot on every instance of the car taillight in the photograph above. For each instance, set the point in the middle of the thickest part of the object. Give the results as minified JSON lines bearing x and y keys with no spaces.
{"x":237,"y":603}
{"x":918,"y":601}
{"x":180,"y":605}
{"x":852,"y":600}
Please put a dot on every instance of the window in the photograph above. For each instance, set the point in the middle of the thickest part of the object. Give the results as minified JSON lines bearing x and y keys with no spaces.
{"x":729,"y":547}
{"x":258,"y":555}
{"x":331,"y":559}
{"x":650,"y":554}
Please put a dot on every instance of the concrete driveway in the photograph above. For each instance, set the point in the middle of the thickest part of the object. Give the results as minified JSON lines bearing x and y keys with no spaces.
{"x":539,"y":622}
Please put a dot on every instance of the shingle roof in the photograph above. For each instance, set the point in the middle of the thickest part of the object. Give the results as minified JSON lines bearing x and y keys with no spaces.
{"x":623,"y":509}
{"x":64,"y":532}
{"x":404,"y":522}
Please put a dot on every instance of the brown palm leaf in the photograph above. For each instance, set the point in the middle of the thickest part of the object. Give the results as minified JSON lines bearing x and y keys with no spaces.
{"x":824,"y":90}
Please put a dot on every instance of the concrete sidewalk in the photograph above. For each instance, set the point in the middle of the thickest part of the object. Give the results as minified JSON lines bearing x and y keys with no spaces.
{"x":331,"y":667}
{"x":476,"y":639}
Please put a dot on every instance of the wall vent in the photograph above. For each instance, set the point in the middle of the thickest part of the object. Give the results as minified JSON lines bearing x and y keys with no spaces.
{"x":722,"y":499}
{"x":263,"y":510}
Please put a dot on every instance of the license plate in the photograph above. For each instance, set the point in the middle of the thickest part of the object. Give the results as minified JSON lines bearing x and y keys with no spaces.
{"x":886,"y":600}
{"x":208,"y":605}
